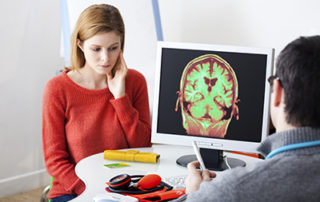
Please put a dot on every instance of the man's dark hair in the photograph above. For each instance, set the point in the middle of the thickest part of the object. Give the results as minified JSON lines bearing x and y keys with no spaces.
{"x":298,"y":68}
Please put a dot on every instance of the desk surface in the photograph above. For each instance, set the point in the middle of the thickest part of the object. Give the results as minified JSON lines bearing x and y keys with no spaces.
{"x":95,"y":175}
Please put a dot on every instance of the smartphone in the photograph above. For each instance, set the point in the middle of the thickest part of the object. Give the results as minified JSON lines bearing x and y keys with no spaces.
{"x":198,"y":155}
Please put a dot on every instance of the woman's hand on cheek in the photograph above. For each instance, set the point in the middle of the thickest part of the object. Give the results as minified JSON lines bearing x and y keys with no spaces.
{"x":117,"y":82}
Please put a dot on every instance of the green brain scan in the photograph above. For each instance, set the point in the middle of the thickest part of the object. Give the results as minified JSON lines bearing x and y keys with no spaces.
{"x":208,"y":96}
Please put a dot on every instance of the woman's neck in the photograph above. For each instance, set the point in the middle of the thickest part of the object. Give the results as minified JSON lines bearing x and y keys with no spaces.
{"x":88,"y":78}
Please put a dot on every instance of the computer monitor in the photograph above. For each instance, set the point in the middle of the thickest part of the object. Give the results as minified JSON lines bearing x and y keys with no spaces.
{"x":216,"y":95}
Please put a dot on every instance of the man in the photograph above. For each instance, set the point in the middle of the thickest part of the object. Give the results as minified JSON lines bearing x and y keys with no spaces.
{"x":291,"y":173}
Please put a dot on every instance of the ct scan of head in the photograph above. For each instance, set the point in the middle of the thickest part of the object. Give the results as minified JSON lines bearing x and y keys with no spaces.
{"x":208,"y":96}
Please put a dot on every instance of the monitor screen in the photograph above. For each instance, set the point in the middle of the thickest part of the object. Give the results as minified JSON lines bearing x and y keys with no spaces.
{"x":213,"y":94}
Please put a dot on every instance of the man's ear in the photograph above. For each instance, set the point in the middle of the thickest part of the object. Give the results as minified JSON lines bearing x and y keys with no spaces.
{"x":278,"y":92}
{"x":80,"y":44}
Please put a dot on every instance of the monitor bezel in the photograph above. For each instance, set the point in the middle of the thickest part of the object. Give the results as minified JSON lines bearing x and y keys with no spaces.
{"x":204,"y":142}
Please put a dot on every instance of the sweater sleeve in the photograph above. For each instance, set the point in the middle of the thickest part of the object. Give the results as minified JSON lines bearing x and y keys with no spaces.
{"x":219,"y":189}
{"x":133,"y":111}
{"x":56,"y":156}
{"x":236,"y":184}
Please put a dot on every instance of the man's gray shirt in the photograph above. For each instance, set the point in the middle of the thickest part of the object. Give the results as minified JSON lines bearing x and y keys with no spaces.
{"x":292,"y":175}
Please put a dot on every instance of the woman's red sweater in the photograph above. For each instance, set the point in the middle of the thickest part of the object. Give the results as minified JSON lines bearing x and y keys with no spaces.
{"x":77,"y":122}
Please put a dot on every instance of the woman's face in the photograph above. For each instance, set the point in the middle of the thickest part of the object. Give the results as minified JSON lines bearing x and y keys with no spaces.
{"x":101,"y":51}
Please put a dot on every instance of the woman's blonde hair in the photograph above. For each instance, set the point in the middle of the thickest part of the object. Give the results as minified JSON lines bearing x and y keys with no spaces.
{"x":93,"y":20}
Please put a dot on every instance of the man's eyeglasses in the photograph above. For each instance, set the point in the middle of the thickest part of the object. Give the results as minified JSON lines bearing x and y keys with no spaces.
{"x":273,"y":77}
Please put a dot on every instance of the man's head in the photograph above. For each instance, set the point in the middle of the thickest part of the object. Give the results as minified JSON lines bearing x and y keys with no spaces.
{"x":298,"y":70}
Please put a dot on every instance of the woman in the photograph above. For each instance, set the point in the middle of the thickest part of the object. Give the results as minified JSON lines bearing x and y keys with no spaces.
{"x":94,"y":105}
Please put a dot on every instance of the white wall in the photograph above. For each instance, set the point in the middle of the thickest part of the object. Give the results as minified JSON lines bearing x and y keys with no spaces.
{"x":29,"y":56}
{"x":260,"y":23}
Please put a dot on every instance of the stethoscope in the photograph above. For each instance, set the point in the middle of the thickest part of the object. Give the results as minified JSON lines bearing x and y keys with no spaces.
{"x":293,"y":146}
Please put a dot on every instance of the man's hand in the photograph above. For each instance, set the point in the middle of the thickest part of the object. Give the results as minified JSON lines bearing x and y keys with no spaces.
{"x":117,"y":82}
{"x":195,"y":177}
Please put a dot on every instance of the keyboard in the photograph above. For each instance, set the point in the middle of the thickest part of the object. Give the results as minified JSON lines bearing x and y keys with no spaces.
{"x":177,"y":182}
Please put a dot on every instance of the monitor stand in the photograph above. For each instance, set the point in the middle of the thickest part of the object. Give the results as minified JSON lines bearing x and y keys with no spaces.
{"x":213,"y":160}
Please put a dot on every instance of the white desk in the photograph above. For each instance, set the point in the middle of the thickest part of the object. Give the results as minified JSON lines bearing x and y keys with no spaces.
{"x":95,"y":175}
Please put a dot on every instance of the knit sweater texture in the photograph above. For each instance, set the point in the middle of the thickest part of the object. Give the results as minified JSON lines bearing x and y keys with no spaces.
{"x":78,"y":122}
{"x":289,"y":176}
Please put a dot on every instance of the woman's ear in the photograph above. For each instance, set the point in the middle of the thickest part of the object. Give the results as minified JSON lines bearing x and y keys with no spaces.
{"x":80,"y":44}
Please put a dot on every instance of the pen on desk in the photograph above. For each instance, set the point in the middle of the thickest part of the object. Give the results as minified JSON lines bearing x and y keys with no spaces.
{"x":198,"y":155}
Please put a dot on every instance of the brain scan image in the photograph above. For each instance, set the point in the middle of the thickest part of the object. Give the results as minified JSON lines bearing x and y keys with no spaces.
{"x":208,"y":96}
